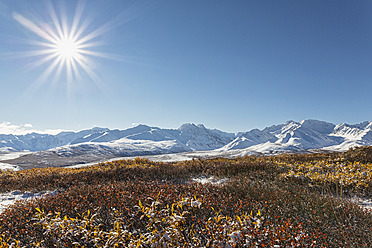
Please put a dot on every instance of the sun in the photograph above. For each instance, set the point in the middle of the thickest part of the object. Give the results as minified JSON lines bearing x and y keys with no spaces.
{"x":66,"y":44}
{"x":67,"y":49}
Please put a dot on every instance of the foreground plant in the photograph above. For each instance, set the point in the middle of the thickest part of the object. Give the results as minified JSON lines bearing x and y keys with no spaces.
{"x":167,"y":226}
{"x":96,"y":206}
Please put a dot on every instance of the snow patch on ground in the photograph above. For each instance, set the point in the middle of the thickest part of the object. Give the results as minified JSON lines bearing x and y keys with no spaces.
{"x":4,"y":166}
{"x":212,"y":180}
{"x":9,"y":198}
{"x":6,"y":154}
{"x":363,"y":202}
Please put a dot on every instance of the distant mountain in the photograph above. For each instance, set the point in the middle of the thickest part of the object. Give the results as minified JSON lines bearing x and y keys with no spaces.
{"x":190,"y":137}
{"x":303,"y":136}
{"x":95,"y":144}
{"x":103,"y":143}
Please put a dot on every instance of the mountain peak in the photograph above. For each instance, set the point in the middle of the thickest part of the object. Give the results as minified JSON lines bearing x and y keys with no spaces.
{"x":187,"y":126}
{"x":319,"y":126}
{"x":290,"y":122}
{"x":99,"y":129}
{"x":201,"y":126}
{"x":141,"y":126}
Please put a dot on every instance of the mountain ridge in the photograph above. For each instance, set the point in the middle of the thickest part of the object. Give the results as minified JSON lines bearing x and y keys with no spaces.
{"x":102,"y":143}
{"x":196,"y":137}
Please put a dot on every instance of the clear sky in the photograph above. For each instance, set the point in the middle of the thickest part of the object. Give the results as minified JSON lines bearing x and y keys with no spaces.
{"x":231,"y":65}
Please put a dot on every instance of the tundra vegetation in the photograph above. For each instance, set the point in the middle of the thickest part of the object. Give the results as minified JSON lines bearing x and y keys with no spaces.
{"x":277,"y":201}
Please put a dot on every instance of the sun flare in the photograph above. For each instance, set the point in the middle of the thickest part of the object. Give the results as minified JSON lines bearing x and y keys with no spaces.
{"x":66,"y":46}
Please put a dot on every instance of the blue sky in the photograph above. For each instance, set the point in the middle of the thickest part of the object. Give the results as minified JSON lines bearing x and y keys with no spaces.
{"x":231,"y":65}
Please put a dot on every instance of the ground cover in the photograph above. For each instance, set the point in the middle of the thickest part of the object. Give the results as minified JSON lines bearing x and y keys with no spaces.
{"x":263,"y":202}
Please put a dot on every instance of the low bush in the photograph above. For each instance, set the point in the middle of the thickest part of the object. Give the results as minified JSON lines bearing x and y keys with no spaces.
{"x":266,"y":202}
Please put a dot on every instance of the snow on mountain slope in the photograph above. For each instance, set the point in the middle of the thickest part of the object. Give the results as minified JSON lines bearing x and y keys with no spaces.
{"x":121,"y":147}
{"x":305,"y":138}
{"x":248,"y":139}
{"x":39,"y":142}
{"x":198,"y":137}
{"x":351,"y":135}
{"x":153,"y":133}
{"x":305,"y":135}
{"x":101,"y":143}
{"x":344,"y":146}
{"x":269,"y":148}
{"x":32,"y":142}
{"x":319,"y":126}
{"x":360,"y":131}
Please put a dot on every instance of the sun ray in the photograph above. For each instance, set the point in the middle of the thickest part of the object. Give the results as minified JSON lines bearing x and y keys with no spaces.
{"x":47,"y":72}
{"x":33,"y":53}
{"x":75,"y":69}
{"x":58,"y":73}
{"x":64,"y":24}
{"x":75,"y":24}
{"x":68,"y":71}
{"x":43,"y":60}
{"x":33,"y":27}
{"x":90,"y":44}
{"x":81,"y":29}
{"x":55,"y":20}
{"x":83,"y":62}
{"x":92,"y":35}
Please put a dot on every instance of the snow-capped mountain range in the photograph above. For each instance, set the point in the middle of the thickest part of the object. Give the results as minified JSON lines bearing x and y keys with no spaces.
{"x":102,"y":143}
{"x":189,"y":137}
{"x":303,"y":136}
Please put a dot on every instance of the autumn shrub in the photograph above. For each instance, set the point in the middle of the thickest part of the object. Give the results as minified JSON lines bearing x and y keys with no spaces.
{"x":129,"y":202}
{"x":361,"y":154}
